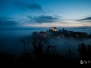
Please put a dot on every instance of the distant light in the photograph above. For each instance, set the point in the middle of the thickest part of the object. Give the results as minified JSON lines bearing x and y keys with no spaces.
{"x":54,"y":28}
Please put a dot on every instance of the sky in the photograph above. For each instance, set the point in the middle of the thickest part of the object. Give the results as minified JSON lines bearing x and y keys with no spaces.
{"x":45,"y":13}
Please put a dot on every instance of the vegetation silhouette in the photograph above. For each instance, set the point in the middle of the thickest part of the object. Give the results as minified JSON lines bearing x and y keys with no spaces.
{"x":84,"y":51}
{"x":49,"y":56}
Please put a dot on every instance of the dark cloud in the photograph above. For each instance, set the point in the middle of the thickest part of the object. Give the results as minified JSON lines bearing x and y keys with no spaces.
{"x":32,"y":6}
{"x":85,"y":19}
{"x":43,"y":19}
{"x":6,"y":22}
{"x":19,"y":5}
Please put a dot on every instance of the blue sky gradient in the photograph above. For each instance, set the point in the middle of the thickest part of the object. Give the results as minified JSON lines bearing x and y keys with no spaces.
{"x":45,"y":13}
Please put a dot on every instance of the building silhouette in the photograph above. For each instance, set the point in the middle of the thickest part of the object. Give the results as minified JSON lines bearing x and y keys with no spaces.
{"x":54,"y":28}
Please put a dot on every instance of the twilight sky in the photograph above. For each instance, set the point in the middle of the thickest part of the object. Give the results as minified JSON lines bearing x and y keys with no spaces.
{"x":45,"y":13}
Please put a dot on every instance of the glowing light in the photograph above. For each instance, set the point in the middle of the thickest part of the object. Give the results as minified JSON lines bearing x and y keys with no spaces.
{"x":54,"y":29}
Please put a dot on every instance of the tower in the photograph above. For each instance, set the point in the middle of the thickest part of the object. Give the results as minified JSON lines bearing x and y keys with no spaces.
{"x":54,"y":28}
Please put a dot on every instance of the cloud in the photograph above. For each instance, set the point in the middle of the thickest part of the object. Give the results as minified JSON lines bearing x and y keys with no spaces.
{"x":32,"y":6}
{"x":43,"y":19}
{"x":6,"y":22}
{"x":85,"y":19}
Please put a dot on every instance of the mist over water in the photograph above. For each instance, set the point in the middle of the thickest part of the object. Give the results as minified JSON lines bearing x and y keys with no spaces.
{"x":10,"y":40}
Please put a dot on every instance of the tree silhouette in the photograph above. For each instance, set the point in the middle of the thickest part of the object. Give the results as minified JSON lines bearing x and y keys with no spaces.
{"x":84,"y":51}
